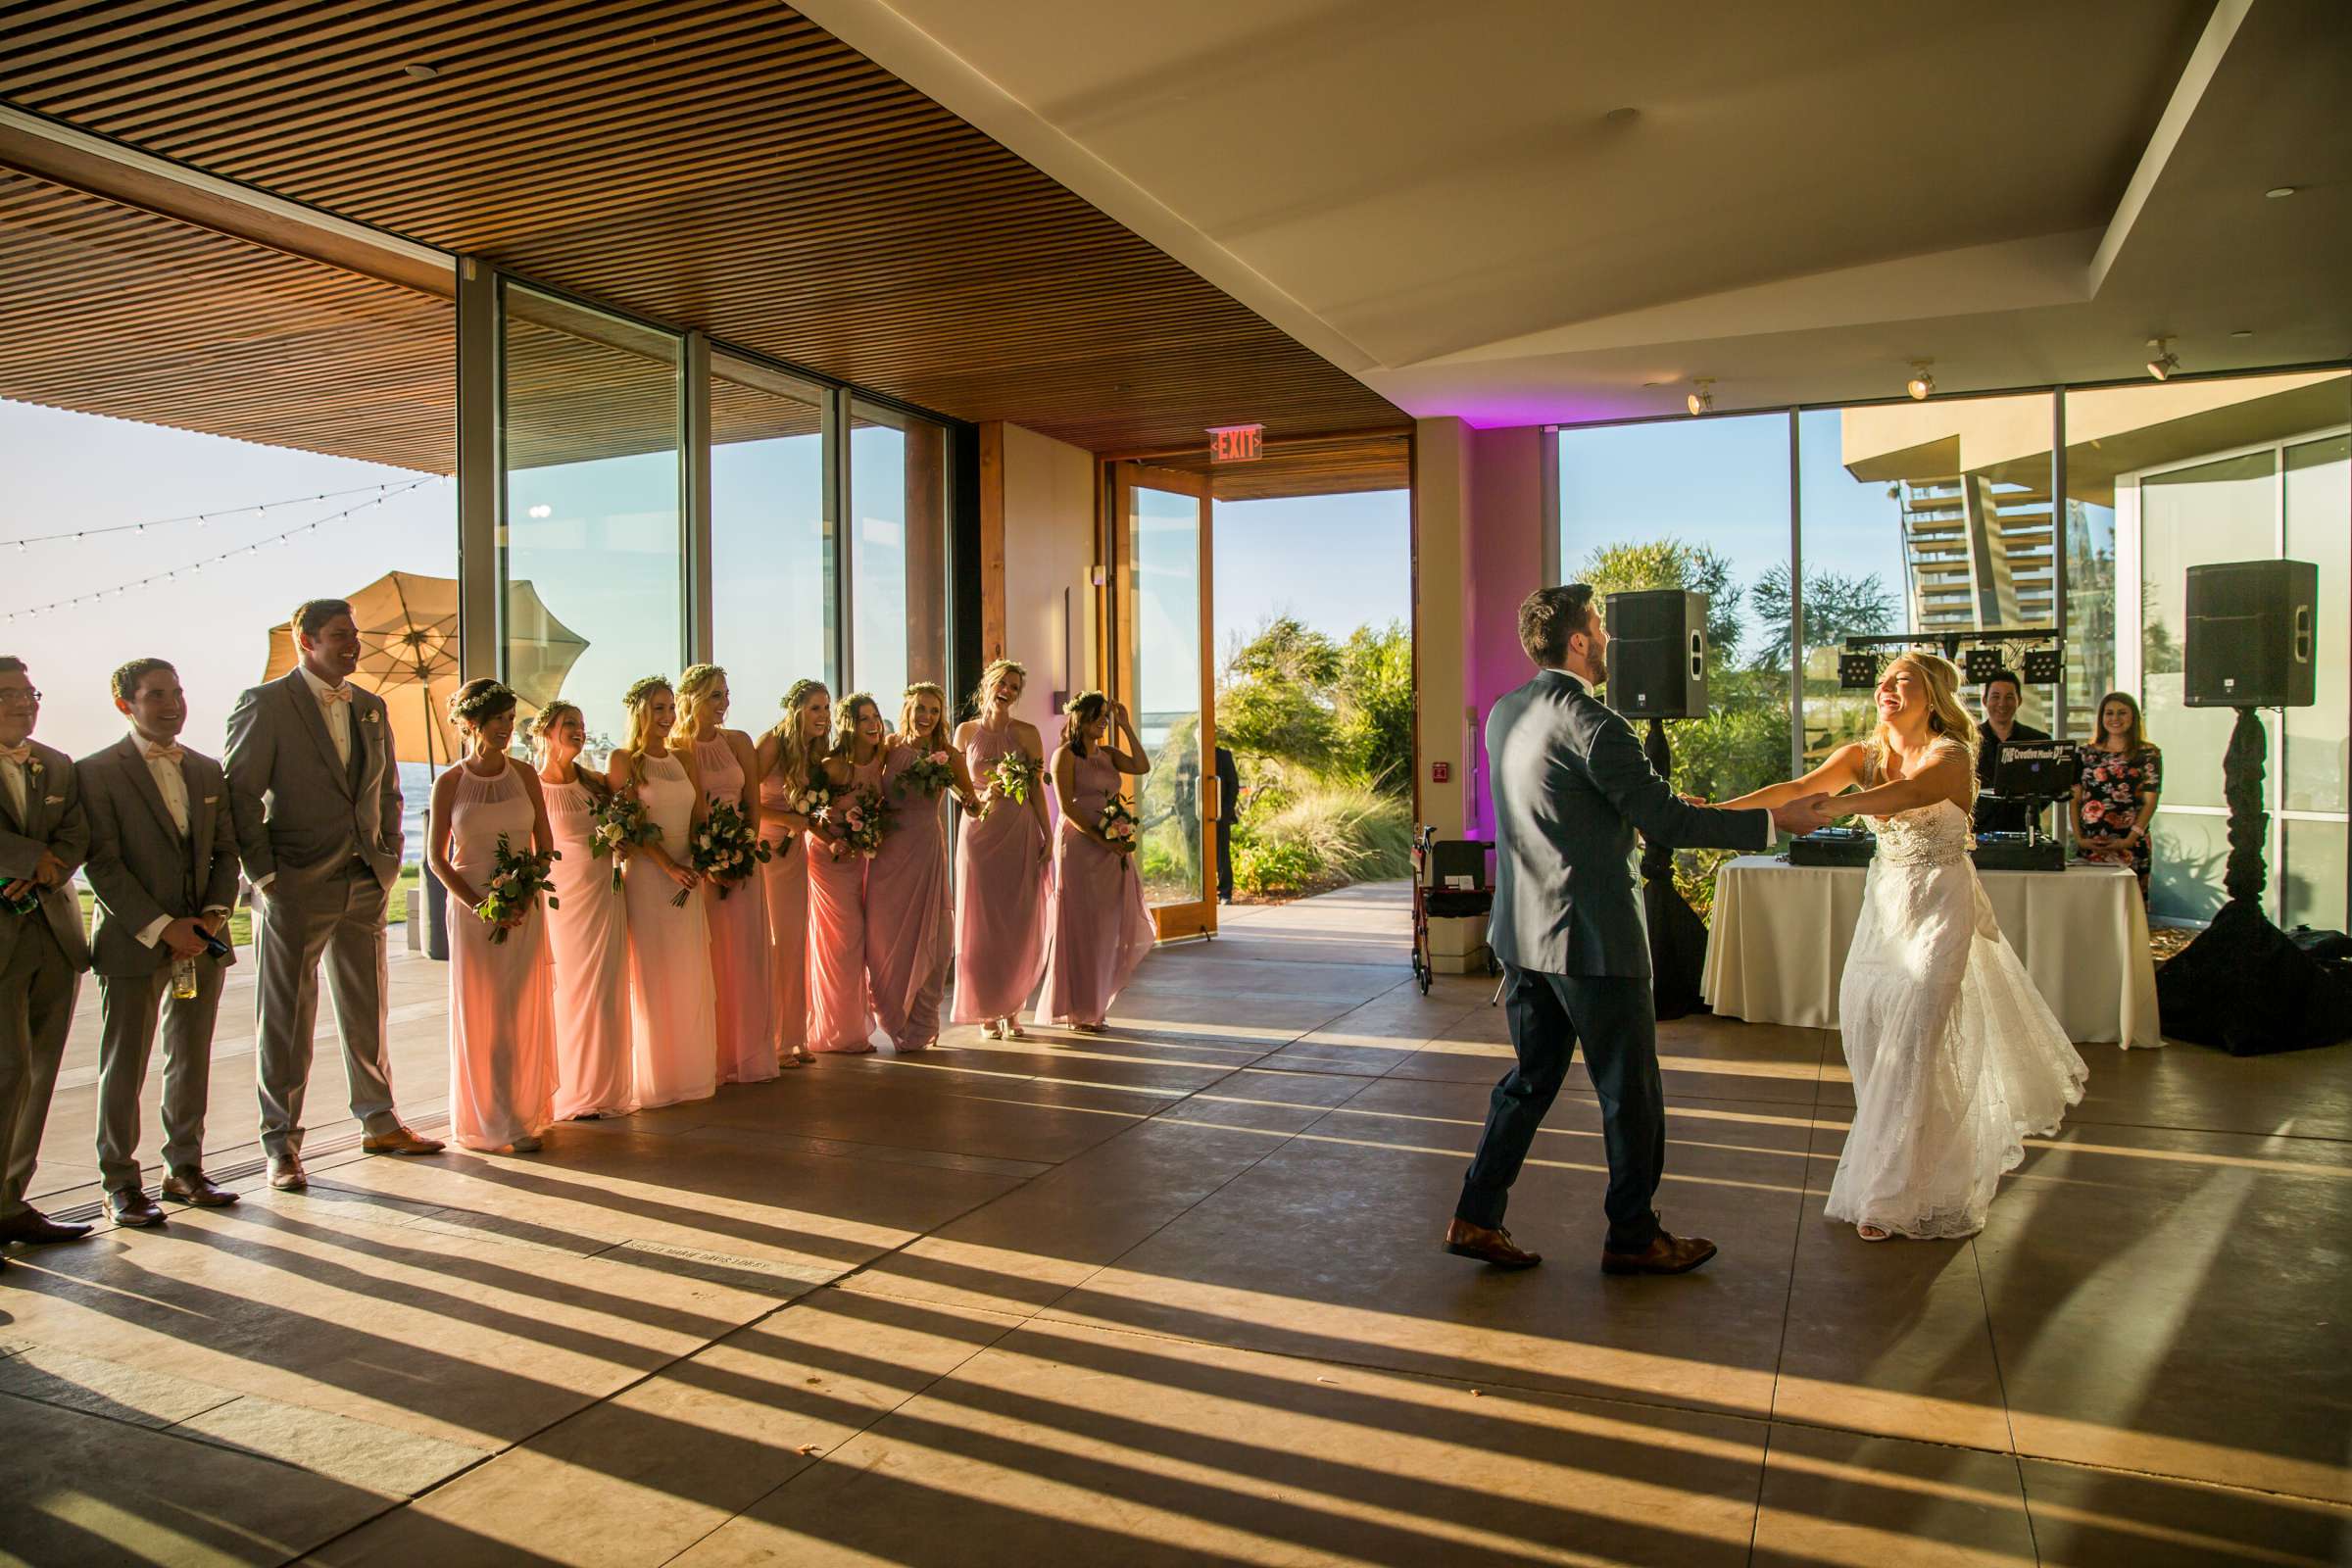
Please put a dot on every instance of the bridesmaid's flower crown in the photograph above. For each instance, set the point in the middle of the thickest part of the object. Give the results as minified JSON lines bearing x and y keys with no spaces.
{"x":1080,"y":701}
{"x":642,"y":688}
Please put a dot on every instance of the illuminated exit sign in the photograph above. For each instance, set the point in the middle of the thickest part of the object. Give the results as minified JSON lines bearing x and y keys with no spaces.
{"x":1236,"y":443}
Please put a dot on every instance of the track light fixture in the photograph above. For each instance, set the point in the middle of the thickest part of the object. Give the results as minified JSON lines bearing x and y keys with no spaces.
{"x":1704,"y":399}
{"x":2162,"y":361}
{"x":1921,"y":384}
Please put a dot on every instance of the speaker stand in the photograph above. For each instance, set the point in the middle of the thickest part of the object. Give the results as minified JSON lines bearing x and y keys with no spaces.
{"x":1678,"y":937}
{"x":2244,"y":984}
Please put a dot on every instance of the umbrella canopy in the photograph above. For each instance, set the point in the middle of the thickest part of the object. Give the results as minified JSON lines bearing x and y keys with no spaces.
{"x":408,"y":657}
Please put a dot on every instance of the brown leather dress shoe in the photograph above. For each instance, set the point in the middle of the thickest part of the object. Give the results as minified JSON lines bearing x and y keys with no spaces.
{"x":1466,"y":1240}
{"x":196,"y":1189}
{"x":286,"y":1173}
{"x":34,"y":1228}
{"x":1665,"y":1254}
{"x":403,"y":1142}
{"x":133,"y":1207}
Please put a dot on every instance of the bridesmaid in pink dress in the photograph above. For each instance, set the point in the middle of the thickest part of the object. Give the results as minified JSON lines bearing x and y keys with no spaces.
{"x":840,"y":1010}
{"x":736,"y":910}
{"x":587,"y":932}
{"x":907,"y":939}
{"x":1002,"y":865}
{"x":790,"y":755}
{"x":673,"y":1029}
{"x":1102,"y":928}
{"x":501,"y":1007}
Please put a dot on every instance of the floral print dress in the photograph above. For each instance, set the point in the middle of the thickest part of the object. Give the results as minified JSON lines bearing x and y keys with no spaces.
{"x":2112,"y":784}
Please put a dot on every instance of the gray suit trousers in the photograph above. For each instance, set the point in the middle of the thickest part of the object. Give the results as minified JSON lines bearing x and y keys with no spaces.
{"x":37,"y":987}
{"x":128,"y":1004}
{"x":309,"y":914}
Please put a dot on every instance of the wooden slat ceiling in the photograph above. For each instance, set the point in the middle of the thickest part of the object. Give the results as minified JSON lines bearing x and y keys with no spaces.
{"x":727,"y":166}
{"x":1327,"y":466}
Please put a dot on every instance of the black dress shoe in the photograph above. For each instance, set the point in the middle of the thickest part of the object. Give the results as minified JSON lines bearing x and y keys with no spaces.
{"x":32,"y":1227}
{"x":195,"y":1189}
{"x":133,"y":1208}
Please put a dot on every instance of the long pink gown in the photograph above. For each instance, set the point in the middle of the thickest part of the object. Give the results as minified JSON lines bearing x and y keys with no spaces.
{"x":673,"y":1022}
{"x":1002,"y":896}
{"x":588,"y":944}
{"x":1102,"y":928}
{"x":501,"y":1052}
{"x":738,"y":919}
{"x":785,"y":882}
{"x":906,"y":916}
{"x":841,"y":1008}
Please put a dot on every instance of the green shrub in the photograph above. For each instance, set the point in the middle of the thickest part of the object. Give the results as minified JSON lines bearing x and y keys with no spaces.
{"x":1313,"y":834}
{"x":1274,"y":867}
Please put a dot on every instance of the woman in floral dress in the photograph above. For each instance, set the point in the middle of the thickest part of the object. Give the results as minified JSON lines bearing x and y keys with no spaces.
{"x":2115,"y":799}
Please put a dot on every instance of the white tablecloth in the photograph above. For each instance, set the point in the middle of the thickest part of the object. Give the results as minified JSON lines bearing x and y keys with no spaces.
{"x":1776,"y":945}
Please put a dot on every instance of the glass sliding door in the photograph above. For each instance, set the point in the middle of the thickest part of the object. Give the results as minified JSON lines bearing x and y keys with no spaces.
{"x":592,"y":422}
{"x":2318,"y":740}
{"x":772,"y":540}
{"x":1161,"y":551}
{"x":898,"y":538}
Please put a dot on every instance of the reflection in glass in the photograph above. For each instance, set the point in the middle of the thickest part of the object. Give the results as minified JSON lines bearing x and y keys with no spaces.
{"x":2319,"y":530}
{"x":2314,"y":877}
{"x":898,"y":553}
{"x":590,"y":424}
{"x":1164,"y":651}
{"x":2191,"y":516}
{"x":772,"y":588}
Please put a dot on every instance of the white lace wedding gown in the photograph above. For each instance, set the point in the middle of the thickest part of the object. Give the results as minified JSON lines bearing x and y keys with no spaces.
{"x":1955,"y":1056}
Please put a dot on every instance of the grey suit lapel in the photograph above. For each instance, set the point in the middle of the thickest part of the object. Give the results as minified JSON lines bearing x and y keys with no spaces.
{"x":132,"y":756}
{"x":34,"y":822}
{"x":307,"y":714}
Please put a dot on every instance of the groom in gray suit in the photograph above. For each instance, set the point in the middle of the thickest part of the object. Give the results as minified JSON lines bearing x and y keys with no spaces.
{"x":317,"y":792}
{"x":1571,"y":786}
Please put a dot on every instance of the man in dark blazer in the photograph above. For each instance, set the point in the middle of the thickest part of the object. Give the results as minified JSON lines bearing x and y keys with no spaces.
{"x":163,"y":865}
{"x":317,"y":794}
{"x":43,"y":837}
{"x":1571,"y":786}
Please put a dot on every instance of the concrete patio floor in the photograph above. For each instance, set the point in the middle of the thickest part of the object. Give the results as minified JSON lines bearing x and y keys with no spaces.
{"x":1174,"y":1296}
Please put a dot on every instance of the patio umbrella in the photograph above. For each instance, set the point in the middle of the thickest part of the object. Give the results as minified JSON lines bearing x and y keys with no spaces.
{"x":408,"y":657}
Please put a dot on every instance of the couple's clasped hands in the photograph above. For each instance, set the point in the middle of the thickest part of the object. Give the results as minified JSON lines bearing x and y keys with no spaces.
{"x":1794,"y":817}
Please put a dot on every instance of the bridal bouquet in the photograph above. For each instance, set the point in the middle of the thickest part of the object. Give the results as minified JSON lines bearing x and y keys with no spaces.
{"x":1016,"y":776}
{"x":861,"y":819}
{"x":929,"y":774}
{"x":618,"y":821}
{"x":1117,"y":823}
{"x":726,"y":849}
{"x":810,"y":802}
{"x":517,"y":877}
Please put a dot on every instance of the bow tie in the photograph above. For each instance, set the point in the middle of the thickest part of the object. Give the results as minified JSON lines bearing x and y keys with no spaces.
{"x":163,"y":754}
{"x":19,"y":754}
{"x":336,"y":694}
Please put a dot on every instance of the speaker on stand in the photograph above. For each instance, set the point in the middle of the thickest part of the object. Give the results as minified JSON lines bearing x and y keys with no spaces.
{"x":2244,"y":984}
{"x":1659,"y":672}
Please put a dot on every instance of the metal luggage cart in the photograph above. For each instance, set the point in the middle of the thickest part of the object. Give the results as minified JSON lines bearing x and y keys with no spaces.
{"x":1449,"y":879}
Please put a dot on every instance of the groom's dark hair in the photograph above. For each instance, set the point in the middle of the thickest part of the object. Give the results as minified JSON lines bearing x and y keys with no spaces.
{"x":1550,"y":616}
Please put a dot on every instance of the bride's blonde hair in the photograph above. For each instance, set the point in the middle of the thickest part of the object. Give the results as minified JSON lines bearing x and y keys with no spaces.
{"x":1945,"y":716}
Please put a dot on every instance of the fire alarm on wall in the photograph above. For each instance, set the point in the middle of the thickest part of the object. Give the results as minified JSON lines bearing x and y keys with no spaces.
{"x":1440,"y":772}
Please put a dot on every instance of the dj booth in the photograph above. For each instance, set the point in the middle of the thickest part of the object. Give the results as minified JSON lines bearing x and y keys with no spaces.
{"x":1778,"y":939}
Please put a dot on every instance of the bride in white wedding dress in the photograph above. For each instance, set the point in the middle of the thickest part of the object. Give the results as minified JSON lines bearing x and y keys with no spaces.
{"x":1955,"y":1058}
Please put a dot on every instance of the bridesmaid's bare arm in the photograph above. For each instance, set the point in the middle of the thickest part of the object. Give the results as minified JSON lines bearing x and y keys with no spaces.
{"x":966,"y":793}
{"x":747,"y":759}
{"x":1135,"y":761}
{"x":437,"y":837}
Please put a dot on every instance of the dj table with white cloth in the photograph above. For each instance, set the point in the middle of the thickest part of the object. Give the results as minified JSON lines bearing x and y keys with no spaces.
{"x":1776,"y":945}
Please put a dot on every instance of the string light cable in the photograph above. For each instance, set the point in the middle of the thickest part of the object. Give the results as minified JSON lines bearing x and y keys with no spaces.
{"x":383,"y":491}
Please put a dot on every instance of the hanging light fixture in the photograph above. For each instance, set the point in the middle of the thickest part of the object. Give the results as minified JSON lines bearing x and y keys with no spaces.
{"x":2163,"y":362}
{"x":1922,"y":384}
{"x":1704,"y":399}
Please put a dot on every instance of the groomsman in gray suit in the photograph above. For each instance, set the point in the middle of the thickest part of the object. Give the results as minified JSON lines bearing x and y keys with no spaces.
{"x":317,"y":795}
{"x":1571,"y":786}
{"x":43,"y":837}
{"x":163,"y":865}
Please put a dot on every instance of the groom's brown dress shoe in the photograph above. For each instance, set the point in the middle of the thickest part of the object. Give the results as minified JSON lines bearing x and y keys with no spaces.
{"x":34,"y":1228}
{"x":196,"y":1189}
{"x":133,"y":1207}
{"x":1466,"y":1240}
{"x":1665,"y":1254}
{"x":286,"y":1173}
{"x":403,"y":1142}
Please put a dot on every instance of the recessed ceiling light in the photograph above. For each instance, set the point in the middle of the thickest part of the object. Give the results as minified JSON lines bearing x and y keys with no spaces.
{"x":2242,"y":333}
{"x":2277,"y":191}
{"x":1622,"y":117}
{"x":421,"y":72}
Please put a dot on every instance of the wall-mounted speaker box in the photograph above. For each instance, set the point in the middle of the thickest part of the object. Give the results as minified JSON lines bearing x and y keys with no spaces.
{"x":2252,"y":638}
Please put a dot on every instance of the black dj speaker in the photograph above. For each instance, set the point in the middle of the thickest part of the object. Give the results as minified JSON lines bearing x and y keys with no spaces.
{"x":2251,"y":641}
{"x":1658,"y":654}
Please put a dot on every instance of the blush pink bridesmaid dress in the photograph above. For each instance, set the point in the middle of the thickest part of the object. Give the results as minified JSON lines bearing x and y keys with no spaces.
{"x":588,"y":945}
{"x":906,"y":931}
{"x":738,"y":921}
{"x":840,"y":1010}
{"x":672,"y":1015}
{"x":1101,"y":926}
{"x":1002,"y":896}
{"x":501,"y":1048}
{"x":784,"y":881}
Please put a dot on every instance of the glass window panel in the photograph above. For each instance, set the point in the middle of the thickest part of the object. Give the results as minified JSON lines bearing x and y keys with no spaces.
{"x":2212,"y":511}
{"x":898,"y":554}
{"x":1699,"y":503}
{"x":591,"y":429}
{"x":772,"y":547}
{"x":2185,"y":865}
{"x":1164,"y":651}
{"x":2314,"y":894}
{"x":2319,"y":530}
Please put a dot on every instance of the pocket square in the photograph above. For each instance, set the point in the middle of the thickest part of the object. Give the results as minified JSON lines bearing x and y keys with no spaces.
{"x":212,"y":800}
{"x":54,"y":799}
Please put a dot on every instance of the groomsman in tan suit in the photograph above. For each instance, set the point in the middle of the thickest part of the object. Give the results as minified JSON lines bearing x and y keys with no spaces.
{"x":43,"y":837}
{"x":317,"y":795}
{"x":163,"y":865}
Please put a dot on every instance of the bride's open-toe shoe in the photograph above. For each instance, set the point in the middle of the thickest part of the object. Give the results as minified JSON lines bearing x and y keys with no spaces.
{"x":1872,"y":1233}
{"x":992,"y":1030}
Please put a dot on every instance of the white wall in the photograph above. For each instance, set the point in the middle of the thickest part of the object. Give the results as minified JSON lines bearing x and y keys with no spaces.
{"x":1049,"y":513}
